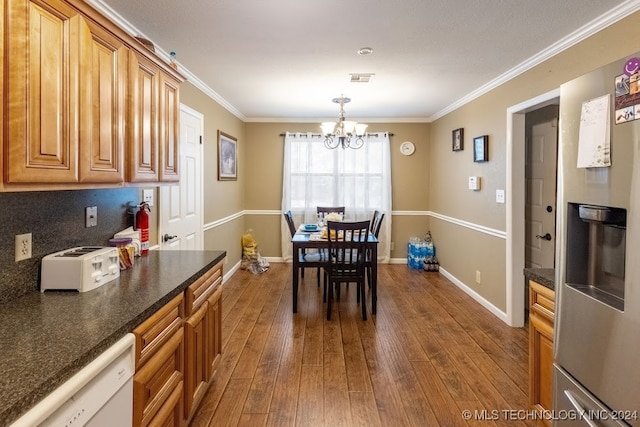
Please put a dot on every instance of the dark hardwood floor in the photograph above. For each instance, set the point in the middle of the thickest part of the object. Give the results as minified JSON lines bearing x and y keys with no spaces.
{"x":429,"y":354}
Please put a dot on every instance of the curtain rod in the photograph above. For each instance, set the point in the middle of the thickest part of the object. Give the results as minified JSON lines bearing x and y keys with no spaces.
{"x":319,"y":134}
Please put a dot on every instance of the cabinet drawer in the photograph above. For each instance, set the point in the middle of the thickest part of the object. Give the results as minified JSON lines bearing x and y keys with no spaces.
{"x":170,"y":414}
{"x":156,"y":382}
{"x":199,"y":291}
{"x":542,"y":300}
{"x":157,"y":329}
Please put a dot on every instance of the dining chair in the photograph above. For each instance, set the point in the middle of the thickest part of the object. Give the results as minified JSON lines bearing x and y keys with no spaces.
{"x":322,"y":211}
{"x":346,"y":260}
{"x":374,"y":228}
{"x":288,"y":216}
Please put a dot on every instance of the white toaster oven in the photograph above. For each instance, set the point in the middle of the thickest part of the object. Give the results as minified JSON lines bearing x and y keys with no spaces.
{"x":82,"y":268}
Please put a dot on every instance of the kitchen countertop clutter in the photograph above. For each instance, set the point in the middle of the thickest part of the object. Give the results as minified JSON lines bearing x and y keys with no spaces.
{"x":47,"y":337}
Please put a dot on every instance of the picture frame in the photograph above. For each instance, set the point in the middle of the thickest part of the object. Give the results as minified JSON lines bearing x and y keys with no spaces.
{"x":227,"y":157}
{"x":457,"y":139}
{"x":481,"y":148}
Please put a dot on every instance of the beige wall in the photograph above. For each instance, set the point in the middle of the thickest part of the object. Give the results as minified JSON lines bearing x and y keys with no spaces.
{"x":221,"y":198}
{"x":263,"y":189}
{"x":487,"y":116}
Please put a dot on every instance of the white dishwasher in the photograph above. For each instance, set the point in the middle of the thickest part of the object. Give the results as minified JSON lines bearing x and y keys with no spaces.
{"x":100,"y":395}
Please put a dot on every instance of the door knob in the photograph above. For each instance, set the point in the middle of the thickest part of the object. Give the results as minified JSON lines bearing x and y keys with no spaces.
{"x":545,"y":237}
{"x":167,"y":237}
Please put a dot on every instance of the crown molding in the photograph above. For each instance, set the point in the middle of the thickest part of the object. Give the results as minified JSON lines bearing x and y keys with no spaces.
{"x":611,"y":17}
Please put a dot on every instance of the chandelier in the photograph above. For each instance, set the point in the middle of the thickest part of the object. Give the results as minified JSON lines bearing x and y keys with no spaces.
{"x":345,"y":133}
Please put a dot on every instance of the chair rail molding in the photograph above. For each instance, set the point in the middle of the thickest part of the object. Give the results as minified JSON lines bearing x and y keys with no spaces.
{"x":476,"y":227}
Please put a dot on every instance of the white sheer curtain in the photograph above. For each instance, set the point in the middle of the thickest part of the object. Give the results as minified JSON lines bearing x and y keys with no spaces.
{"x":358,"y":179}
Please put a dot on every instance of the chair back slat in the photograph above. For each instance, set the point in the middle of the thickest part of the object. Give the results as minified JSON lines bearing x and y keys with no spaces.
{"x":376,"y":222}
{"x":288,"y":216}
{"x":329,"y":209}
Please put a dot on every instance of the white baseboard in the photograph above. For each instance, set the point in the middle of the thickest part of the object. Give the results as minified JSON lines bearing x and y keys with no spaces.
{"x":473,"y":294}
{"x":231,"y":272}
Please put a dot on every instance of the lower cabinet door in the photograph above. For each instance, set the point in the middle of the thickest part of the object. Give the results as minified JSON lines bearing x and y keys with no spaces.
{"x":155,"y":383}
{"x":215,"y":332}
{"x":196,"y":333}
{"x":541,"y":364}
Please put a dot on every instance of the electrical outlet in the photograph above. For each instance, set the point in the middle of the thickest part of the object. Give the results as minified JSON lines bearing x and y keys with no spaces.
{"x":478,"y":277}
{"x":499,"y":196}
{"x":91,"y":216}
{"x":23,"y":246}
{"x":393,"y":246}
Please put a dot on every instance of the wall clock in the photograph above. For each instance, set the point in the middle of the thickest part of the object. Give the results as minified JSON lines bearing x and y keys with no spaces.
{"x":407,"y":148}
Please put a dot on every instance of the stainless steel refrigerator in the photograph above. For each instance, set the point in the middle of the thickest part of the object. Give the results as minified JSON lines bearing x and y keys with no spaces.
{"x":597,"y":335}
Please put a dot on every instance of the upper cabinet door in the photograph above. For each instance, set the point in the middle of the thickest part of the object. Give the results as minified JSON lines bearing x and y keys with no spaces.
{"x":42,"y":112}
{"x":169,"y":128}
{"x":103,"y":96}
{"x":143,"y":119}
{"x":85,"y":105}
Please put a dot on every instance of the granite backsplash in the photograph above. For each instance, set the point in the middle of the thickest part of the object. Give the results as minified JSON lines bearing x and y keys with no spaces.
{"x":56,"y":220}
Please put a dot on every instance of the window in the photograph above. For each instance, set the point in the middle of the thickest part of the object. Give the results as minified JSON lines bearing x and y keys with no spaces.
{"x":358,"y":179}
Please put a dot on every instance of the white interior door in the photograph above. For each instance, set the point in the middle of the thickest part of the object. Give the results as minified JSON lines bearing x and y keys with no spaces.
{"x":180,"y":206}
{"x":540,"y":210}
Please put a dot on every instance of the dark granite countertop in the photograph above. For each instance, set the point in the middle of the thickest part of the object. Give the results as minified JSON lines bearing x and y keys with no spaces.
{"x":46,"y":338}
{"x":544,"y":276}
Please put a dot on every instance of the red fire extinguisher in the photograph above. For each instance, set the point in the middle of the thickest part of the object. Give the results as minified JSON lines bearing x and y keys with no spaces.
{"x":142,"y":224}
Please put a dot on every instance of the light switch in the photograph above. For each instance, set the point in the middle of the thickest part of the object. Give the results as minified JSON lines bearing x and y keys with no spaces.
{"x":499,"y":196}
{"x":147,"y":196}
{"x":474,"y":183}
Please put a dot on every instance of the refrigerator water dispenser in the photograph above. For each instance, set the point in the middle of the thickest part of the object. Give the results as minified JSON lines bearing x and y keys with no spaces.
{"x":596,"y":246}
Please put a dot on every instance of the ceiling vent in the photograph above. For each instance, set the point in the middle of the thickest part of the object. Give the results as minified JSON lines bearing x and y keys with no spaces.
{"x":361,"y":77}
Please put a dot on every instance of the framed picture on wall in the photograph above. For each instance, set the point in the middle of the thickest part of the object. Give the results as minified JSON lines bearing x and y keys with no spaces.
{"x":481,"y":148}
{"x":227,"y":157}
{"x":457,"y":139}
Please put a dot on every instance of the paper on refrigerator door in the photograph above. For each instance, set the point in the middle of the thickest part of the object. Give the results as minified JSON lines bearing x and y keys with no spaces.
{"x":594,"y":140}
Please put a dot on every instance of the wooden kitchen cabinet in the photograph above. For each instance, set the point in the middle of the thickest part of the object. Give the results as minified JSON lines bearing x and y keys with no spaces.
{"x":169,"y":126}
{"x":541,"y":322}
{"x":103,"y":99}
{"x":178,"y":348}
{"x":44,"y":52}
{"x":158,"y":384}
{"x":142,"y":163}
{"x":66,"y":104}
{"x":215,"y":331}
{"x":202,"y":336}
{"x":196,"y":381}
{"x":154,"y":115}
{"x":80,"y":88}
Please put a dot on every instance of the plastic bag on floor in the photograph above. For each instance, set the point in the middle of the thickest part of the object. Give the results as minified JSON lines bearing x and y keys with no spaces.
{"x":251,"y":258}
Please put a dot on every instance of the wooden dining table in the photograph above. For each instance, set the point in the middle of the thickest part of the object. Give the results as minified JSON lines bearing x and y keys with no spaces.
{"x":304,"y":239}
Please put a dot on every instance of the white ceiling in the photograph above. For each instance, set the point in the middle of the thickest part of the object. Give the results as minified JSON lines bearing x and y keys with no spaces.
{"x":284,"y":60}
